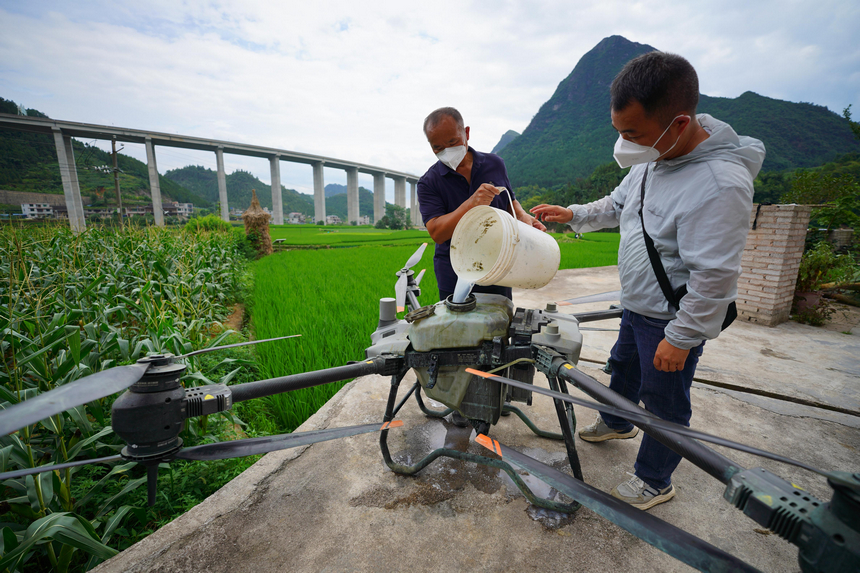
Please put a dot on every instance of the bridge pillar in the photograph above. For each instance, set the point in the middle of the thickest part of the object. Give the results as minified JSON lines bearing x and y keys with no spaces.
{"x":319,"y":193}
{"x":69,"y":175}
{"x":222,"y":184}
{"x":277,"y":197}
{"x":414,"y":212}
{"x":154,"y":185}
{"x":352,"y":195}
{"x":400,"y":191}
{"x":378,"y":196}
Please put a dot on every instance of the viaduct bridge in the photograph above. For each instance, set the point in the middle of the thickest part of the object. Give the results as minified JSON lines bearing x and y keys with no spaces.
{"x":63,"y":131}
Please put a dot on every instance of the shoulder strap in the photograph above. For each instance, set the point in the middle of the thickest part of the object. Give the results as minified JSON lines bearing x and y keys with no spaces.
{"x":653,"y":255}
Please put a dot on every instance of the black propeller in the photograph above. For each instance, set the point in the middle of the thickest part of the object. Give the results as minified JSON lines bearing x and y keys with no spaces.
{"x":664,"y":536}
{"x":233,"y":449}
{"x":70,"y":395}
{"x":265,"y":444}
{"x":48,"y":468}
{"x":89,"y":388}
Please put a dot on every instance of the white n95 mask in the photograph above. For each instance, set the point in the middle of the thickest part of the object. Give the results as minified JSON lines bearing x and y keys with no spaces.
{"x":628,"y":153}
{"x":452,"y":156}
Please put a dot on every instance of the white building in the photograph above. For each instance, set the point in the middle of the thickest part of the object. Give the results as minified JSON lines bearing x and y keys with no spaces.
{"x":332,"y":220}
{"x":37,"y":210}
{"x":296,"y":218}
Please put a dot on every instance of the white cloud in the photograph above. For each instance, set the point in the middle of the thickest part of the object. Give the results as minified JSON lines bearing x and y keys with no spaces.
{"x":354,"y":80}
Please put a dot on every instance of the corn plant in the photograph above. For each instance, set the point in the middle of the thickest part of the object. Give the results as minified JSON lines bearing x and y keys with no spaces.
{"x":71,"y":306}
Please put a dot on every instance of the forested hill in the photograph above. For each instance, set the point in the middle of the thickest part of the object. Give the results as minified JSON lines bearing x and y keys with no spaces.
{"x":204,"y":181}
{"x":571,"y":134}
{"x":28,"y":162}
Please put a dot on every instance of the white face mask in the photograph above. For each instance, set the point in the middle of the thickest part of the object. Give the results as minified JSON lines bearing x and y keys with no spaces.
{"x":628,"y":153}
{"x":453,"y":156}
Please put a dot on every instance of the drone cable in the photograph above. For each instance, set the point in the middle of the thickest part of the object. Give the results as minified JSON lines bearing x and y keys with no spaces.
{"x":652,"y":421}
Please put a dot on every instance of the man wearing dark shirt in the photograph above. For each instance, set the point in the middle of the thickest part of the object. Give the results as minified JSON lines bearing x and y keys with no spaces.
{"x":462,"y":179}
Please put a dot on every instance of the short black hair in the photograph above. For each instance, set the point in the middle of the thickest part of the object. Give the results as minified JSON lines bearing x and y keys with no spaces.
{"x":436,"y":116}
{"x":665,"y":84}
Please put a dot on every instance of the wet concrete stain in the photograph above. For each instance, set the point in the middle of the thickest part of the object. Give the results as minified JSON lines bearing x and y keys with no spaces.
{"x":775,"y":354}
{"x":445,"y":478}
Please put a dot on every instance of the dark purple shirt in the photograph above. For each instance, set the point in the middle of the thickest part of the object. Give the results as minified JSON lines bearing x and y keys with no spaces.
{"x":442,"y":190}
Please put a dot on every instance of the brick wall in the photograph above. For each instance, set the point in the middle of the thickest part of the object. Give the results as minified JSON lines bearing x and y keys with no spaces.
{"x":770,"y":263}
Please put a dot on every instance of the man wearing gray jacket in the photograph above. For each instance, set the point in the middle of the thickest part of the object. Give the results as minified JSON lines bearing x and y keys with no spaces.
{"x":696,"y":176}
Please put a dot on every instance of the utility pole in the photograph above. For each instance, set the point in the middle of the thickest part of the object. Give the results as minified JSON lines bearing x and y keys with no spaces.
{"x":116,"y":178}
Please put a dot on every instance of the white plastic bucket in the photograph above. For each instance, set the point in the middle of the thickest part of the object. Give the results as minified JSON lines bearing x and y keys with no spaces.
{"x":490,"y":247}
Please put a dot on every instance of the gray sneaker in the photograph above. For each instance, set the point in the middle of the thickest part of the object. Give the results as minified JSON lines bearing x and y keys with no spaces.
{"x":600,"y":432}
{"x":639,"y":494}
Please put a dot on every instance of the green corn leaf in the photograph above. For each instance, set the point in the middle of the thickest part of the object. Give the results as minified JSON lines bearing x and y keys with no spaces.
{"x":76,"y":449}
{"x":130,"y":486}
{"x":75,"y":343}
{"x":79,"y":415}
{"x":66,"y":528}
{"x":115,"y":521}
{"x":118,"y":469}
{"x":8,"y":539}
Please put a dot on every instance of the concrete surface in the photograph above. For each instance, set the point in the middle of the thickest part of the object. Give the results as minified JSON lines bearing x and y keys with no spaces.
{"x":335,"y":506}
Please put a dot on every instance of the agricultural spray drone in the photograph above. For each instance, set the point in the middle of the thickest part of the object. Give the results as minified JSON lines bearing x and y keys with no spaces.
{"x":476,"y":357}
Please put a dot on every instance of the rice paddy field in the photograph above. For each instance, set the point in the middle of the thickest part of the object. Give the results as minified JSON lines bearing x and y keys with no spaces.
{"x":331,"y":297}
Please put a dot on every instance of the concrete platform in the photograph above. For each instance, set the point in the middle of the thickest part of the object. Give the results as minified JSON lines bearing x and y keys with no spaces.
{"x":335,"y":506}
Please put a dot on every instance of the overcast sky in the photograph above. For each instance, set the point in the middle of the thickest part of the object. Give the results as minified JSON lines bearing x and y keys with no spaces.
{"x":354,"y":80}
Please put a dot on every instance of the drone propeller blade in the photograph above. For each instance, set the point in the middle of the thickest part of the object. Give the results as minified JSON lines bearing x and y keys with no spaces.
{"x":400,"y":291}
{"x":420,"y":276}
{"x":252,"y":446}
{"x":50,"y":468}
{"x":650,"y":419}
{"x":69,"y":395}
{"x":676,"y":542}
{"x":416,"y":256}
{"x":214,"y":348}
{"x":600,"y":297}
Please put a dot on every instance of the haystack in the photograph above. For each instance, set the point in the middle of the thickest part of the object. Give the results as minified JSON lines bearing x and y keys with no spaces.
{"x":257,"y":226}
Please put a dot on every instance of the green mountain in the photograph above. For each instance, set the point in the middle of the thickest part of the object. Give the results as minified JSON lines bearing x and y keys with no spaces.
{"x":204,"y":181}
{"x":28,"y":162}
{"x":508,"y":137}
{"x":336,"y":204}
{"x":571,"y":135}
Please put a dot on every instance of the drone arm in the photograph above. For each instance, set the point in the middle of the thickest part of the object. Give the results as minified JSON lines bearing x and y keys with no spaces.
{"x":379,"y":365}
{"x":714,"y":463}
{"x":598,"y":315}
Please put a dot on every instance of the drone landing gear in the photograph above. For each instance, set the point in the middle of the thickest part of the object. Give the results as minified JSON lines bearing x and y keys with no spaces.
{"x":567,"y":435}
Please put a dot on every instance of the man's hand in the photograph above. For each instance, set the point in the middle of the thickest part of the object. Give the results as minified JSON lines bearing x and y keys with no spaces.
{"x":669,"y":358}
{"x":552,"y":213}
{"x":484,"y":195}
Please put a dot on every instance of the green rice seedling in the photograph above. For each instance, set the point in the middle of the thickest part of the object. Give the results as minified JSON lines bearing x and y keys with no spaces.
{"x":330,"y":297}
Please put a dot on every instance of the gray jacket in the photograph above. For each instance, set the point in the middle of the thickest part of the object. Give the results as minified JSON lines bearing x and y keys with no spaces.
{"x":697,"y":210}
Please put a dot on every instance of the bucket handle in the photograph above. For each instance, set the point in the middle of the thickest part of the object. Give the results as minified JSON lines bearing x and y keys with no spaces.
{"x":513,"y":214}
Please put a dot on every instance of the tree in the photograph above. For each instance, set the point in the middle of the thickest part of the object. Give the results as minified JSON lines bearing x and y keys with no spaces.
{"x":855,"y":127}
{"x":837,"y":197}
{"x":397,"y":217}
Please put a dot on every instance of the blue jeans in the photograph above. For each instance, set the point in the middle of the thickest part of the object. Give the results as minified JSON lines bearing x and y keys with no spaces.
{"x":665,"y":394}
